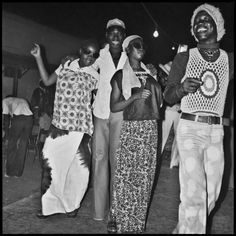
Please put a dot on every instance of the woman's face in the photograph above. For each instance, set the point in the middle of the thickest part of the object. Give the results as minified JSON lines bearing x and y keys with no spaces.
{"x":137,"y":49}
{"x":204,"y":27}
{"x":88,"y":55}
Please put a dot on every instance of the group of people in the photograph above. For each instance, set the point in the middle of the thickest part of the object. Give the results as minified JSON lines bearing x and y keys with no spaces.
{"x":122,"y":123}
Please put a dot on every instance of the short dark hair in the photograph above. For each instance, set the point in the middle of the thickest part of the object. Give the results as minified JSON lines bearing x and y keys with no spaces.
{"x":89,"y":42}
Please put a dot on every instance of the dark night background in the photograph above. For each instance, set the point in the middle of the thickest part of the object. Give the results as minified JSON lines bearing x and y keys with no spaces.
{"x":88,"y":19}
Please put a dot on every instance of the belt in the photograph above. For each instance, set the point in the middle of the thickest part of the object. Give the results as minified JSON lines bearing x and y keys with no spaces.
{"x":211,"y":120}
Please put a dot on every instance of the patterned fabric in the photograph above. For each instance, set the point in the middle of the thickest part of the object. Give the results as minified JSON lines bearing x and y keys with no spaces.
{"x":210,"y":97}
{"x":134,"y":174}
{"x":200,"y":173}
{"x":72,"y":105}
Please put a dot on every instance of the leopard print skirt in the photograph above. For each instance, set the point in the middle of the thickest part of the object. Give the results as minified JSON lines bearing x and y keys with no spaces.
{"x":134,"y":175}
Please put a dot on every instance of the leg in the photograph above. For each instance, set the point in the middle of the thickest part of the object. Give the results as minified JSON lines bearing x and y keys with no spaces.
{"x":191,"y":141}
{"x":115,"y":128}
{"x":100,"y":145}
{"x":27,"y":124}
{"x":14,"y":134}
{"x":214,"y":165}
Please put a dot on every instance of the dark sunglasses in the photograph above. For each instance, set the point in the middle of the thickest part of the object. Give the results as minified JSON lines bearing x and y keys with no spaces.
{"x":88,"y":52}
{"x":139,"y":45}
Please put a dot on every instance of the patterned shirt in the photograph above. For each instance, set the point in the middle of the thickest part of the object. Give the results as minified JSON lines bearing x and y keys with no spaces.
{"x":72,"y":105}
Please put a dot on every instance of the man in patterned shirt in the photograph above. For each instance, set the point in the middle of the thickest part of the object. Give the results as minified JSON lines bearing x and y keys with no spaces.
{"x":65,"y":165}
{"x":199,"y":78}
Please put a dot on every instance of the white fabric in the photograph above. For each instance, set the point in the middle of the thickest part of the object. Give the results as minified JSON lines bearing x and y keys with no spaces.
{"x":128,"y":40}
{"x":15,"y":106}
{"x":115,"y":22}
{"x":210,"y":97}
{"x":107,"y":69}
{"x":74,"y":66}
{"x":69,"y":177}
{"x":130,"y":80}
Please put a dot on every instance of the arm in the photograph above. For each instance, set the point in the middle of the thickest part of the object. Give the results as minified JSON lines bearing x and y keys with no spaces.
{"x":118,"y":104}
{"x":175,"y":90}
{"x":48,"y":80}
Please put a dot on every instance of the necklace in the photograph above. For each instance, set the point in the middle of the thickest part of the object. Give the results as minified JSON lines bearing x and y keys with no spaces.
{"x":210,"y":54}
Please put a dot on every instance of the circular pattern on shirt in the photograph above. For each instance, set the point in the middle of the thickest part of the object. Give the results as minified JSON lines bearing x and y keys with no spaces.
{"x":78,"y":93}
{"x":70,"y":127}
{"x":68,"y":93}
{"x":63,"y":84}
{"x":64,"y":121}
{"x":65,"y":107}
{"x":210,"y":85}
{"x":73,"y":101}
{"x":71,"y":79}
{"x":71,"y":114}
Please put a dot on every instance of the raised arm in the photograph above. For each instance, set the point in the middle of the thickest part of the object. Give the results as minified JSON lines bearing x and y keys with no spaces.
{"x":47,"y":79}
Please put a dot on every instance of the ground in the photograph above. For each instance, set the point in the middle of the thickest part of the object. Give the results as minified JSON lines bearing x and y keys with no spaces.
{"x":21,"y":200}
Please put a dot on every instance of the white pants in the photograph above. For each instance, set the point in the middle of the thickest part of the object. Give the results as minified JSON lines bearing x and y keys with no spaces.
{"x":171,"y":117}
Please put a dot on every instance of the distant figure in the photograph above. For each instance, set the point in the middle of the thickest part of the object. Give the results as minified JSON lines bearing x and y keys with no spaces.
{"x":18,"y":122}
{"x":171,"y":117}
{"x":42,"y":102}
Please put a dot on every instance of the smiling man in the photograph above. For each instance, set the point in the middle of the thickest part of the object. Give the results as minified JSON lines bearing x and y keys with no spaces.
{"x":107,"y":124}
{"x":199,"y":79}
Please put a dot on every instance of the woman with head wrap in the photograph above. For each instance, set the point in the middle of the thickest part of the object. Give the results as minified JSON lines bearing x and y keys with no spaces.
{"x":199,"y":79}
{"x":139,"y":96}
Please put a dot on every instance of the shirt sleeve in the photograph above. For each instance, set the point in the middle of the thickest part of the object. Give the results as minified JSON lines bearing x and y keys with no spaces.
{"x":173,"y":92}
{"x":57,"y":71}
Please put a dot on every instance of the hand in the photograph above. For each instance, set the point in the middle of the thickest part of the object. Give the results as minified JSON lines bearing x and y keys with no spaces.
{"x":145,"y":93}
{"x":35,"y":51}
{"x":152,"y":69}
{"x":68,"y":58}
{"x":191,"y":85}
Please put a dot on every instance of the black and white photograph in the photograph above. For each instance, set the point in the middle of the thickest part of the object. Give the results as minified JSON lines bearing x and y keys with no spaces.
{"x":118,"y":117}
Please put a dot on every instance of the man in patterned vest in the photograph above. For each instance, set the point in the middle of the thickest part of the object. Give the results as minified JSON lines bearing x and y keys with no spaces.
{"x":199,"y":79}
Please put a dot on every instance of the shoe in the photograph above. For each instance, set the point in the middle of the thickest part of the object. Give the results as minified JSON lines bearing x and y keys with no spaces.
{"x":7,"y":176}
{"x":98,"y":219}
{"x":111,"y":227}
{"x":41,"y":216}
{"x":72,"y":214}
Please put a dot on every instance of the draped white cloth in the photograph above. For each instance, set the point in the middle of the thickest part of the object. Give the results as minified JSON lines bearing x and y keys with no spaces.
{"x":69,"y":175}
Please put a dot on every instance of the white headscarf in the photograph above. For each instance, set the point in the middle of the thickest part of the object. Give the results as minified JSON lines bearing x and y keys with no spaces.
{"x":128,"y":40}
{"x":216,"y":16}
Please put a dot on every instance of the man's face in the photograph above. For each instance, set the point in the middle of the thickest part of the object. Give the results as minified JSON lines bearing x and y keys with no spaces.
{"x":204,"y":27}
{"x":115,"y":36}
{"x":88,"y":55}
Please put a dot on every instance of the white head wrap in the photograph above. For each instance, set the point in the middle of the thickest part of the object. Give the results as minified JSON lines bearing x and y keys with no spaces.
{"x":128,"y":40}
{"x":216,"y":16}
